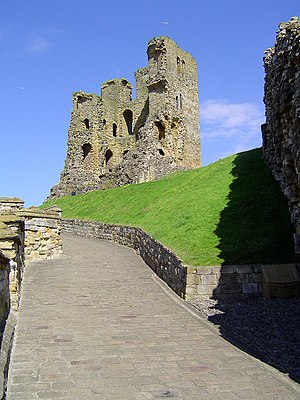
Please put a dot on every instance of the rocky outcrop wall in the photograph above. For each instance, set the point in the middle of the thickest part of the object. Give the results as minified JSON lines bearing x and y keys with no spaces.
{"x":188,"y":282}
{"x":281,"y":132}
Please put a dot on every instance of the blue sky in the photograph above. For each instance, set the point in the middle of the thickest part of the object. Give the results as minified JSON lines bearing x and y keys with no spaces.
{"x":51,"y":48}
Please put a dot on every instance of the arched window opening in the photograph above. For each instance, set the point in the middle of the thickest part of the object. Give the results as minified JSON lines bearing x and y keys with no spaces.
{"x":183,"y":65}
{"x":108,"y":156}
{"x":86,"y":123}
{"x":104,"y":122}
{"x":180,"y":101}
{"x":161,"y":130}
{"x":161,"y":152}
{"x":86,"y":148}
{"x":128,"y":116}
{"x":178,"y":64}
{"x":114,"y":129}
{"x":177,"y":102}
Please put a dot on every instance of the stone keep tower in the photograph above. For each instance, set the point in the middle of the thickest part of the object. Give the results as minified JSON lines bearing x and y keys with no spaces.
{"x":114,"y":140}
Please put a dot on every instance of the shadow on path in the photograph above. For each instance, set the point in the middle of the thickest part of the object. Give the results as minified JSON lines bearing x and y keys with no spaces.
{"x":255,"y":228}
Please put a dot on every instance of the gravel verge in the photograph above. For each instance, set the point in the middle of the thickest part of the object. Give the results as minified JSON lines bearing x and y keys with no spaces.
{"x":268,"y":327}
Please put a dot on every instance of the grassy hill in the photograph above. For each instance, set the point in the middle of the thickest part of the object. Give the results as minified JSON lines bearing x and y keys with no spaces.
{"x":230,"y":212}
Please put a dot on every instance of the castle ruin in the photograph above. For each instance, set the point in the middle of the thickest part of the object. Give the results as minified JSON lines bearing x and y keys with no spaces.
{"x":281,"y":132}
{"x":114,"y":140}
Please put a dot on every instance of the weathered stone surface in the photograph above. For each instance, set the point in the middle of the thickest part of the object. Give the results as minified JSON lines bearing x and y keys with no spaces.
{"x":114,"y":140}
{"x":27,"y":235}
{"x":10,"y":204}
{"x":42,"y":233}
{"x":4,"y":286}
{"x":281,"y":132}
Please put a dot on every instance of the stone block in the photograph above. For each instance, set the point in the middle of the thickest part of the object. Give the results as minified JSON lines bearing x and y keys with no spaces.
{"x":7,"y":244}
{"x":257,"y":269}
{"x":191,"y":279}
{"x":11,"y":254}
{"x":235,"y":288}
{"x":233,"y":278}
{"x":249,"y":288}
{"x":206,"y":289}
{"x":255,"y":277}
{"x":243,"y":269}
{"x":227,"y":269}
{"x":209,"y":280}
{"x":202,"y":270}
{"x":217,"y":270}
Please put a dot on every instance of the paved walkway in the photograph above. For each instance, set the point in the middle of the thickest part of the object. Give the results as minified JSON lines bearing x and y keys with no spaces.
{"x":95,"y":324}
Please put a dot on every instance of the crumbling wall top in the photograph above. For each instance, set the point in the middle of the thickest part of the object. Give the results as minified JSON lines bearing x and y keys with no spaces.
{"x":287,"y":30}
{"x":6,"y":232}
{"x":160,"y":43}
{"x":11,"y":200}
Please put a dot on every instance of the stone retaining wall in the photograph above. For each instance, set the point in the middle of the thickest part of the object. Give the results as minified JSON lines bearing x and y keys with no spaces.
{"x":4,"y":287}
{"x":188,"y":282}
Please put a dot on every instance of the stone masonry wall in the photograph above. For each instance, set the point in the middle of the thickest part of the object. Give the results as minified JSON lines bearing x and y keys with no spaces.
{"x":27,"y":235}
{"x":12,"y":247}
{"x":281,"y":132}
{"x":42,"y":234}
{"x":4,"y":287}
{"x":10,"y":204}
{"x":188,"y":282}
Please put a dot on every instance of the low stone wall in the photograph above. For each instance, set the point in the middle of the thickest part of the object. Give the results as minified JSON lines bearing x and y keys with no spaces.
{"x":10,"y":204}
{"x":12,"y":247}
{"x":27,"y":235}
{"x":4,"y":287}
{"x":42,"y":234}
{"x":188,"y":282}
{"x":223,"y":281}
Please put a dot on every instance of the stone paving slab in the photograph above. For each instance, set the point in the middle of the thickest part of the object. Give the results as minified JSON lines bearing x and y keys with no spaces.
{"x":96,"y":325}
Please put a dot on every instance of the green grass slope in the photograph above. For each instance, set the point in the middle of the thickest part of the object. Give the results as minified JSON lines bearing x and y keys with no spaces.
{"x":230,"y":212}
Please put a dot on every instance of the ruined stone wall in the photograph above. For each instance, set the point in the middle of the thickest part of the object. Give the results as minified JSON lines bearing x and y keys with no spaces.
{"x":42,"y":234}
{"x":12,"y":204}
{"x":27,"y":235}
{"x":11,"y":247}
{"x":281,"y":132}
{"x":114,"y":140}
{"x":188,"y":282}
{"x":4,"y":287}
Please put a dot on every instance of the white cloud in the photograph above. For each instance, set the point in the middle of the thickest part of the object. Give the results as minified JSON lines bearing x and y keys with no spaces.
{"x":229,"y":128}
{"x":39,"y":45}
{"x":223,"y":119}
